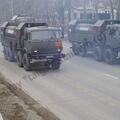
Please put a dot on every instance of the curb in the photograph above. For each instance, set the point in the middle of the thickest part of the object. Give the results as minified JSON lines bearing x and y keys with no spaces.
{"x":45,"y":113}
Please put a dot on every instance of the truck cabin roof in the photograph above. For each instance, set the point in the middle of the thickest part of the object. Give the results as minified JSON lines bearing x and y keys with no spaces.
{"x":100,"y":23}
{"x":42,"y":28}
{"x":113,"y":26}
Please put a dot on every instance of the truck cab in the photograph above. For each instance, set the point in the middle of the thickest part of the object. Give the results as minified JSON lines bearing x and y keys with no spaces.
{"x":43,"y":40}
{"x":42,"y":45}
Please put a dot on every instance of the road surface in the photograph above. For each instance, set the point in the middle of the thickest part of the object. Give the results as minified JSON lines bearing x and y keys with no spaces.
{"x":82,"y":89}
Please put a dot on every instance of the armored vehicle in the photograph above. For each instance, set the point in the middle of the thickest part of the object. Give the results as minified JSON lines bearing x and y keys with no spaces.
{"x":102,"y":38}
{"x":31,"y":44}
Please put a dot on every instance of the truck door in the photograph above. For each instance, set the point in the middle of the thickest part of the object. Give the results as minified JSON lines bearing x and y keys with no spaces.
{"x":113,"y":38}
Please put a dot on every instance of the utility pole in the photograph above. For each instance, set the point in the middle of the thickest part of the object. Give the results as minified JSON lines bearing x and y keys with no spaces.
{"x":12,"y":8}
{"x":84,"y":6}
{"x":112,"y":8}
{"x":96,"y":9}
{"x":68,"y":7}
{"x":118,"y":9}
{"x":61,"y":13}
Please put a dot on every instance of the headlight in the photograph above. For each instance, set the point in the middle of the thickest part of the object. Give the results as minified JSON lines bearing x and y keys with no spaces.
{"x":59,"y":50}
{"x":35,"y":51}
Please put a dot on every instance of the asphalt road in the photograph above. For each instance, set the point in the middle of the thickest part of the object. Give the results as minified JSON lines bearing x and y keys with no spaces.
{"x":82,"y":89}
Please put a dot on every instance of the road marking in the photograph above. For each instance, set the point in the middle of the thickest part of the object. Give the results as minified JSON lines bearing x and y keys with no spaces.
{"x":111,"y":76}
{"x":1,"y":118}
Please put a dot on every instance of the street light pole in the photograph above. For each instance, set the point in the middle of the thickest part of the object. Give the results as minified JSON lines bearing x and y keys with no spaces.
{"x":12,"y":8}
{"x":112,"y":8}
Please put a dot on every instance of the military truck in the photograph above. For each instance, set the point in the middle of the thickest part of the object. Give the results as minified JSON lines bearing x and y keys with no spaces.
{"x":31,"y":44}
{"x":101,"y":38}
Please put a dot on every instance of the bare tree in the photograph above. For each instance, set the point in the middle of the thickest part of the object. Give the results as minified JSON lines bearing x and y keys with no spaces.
{"x":117,"y":3}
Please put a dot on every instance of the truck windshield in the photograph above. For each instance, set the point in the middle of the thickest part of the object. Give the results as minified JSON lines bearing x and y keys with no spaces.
{"x":45,"y":35}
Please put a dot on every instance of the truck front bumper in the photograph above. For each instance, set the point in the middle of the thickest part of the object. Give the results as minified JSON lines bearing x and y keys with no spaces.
{"x":46,"y":57}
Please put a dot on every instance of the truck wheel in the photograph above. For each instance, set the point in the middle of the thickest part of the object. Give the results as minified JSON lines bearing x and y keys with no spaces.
{"x":19,"y":59}
{"x":56,"y":64}
{"x":75,"y":50}
{"x":98,"y":53}
{"x":110,"y":56}
{"x":82,"y":51}
{"x":5,"y":53}
{"x":26,"y":62}
{"x":10,"y":54}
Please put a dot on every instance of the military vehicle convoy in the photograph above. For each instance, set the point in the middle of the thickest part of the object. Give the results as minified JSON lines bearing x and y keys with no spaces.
{"x":31,"y":44}
{"x":102,"y":38}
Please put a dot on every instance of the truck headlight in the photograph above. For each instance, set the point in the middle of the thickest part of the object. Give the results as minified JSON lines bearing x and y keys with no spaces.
{"x":35,"y":51}
{"x":59,"y":50}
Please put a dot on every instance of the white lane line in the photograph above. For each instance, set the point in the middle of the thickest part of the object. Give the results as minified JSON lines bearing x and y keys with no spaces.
{"x":111,"y":76}
{"x":1,"y":118}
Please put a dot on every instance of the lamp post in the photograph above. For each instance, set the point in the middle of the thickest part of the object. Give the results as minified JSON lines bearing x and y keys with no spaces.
{"x":12,"y":8}
{"x":61,"y":12}
{"x":112,"y":8}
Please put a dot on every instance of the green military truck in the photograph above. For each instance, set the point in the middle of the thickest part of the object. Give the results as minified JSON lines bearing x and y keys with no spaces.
{"x":101,"y":38}
{"x":31,"y":44}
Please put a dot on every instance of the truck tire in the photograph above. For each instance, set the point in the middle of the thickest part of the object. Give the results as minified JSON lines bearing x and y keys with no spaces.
{"x":98,"y":53}
{"x":26,"y":62}
{"x":83,"y":51}
{"x":56,"y":64}
{"x":5,"y":53}
{"x":110,"y":57}
{"x":10,"y":55}
{"x":19,"y":59}
{"x":75,"y":50}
